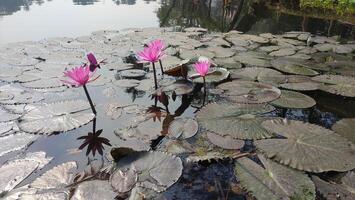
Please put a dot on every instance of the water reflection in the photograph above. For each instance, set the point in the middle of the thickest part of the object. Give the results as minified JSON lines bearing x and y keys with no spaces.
{"x":252,"y":16}
{"x":93,"y":141}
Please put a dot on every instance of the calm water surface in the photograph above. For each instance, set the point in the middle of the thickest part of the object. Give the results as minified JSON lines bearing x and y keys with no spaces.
{"x":22,"y":20}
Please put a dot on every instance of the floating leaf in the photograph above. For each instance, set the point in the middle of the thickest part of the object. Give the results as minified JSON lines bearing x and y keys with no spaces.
{"x":133,"y":73}
{"x":55,"y":117}
{"x":225,"y":142}
{"x":273,"y":181}
{"x":221,"y":52}
{"x":307,"y":147}
{"x":299,"y":83}
{"x":124,"y":181}
{"x":15,"y":142}
{"x":14,"y":172}
{"x":253,"y":59}
{"x":93,"y":190}
{"x":44,"y":83}
{"x":337,"y":84}
{"x":56,"y":178}
{"x":127,"y":83}
{"x":180,"y":87}
{"x":6,"y":116}
{"x":290,"y":99}
{"x":283,"y":52}
{"x":292,"y":66}
{"x":236,"y":120}
{"x":334,"y":191}
{"x":345,"y":128}
{"x":255,"y":74}
{"x":249,"y":92}
{"x":156,"y":170}
{"x":218,"y":75}
{"x":189,"y":54}
{"x":20,"y":96}
{"x":185,"y":127}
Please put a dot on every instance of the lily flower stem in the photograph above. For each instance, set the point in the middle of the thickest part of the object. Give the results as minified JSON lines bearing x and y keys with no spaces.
{"x":89,"y":99}
{"x":205,"y":91}
{"x":155,"y":76}
{"x":161,"y":67}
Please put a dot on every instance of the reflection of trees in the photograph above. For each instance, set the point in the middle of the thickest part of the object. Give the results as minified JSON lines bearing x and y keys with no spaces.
{"x":84,"y":2}
{"x":128,"y":2}
{"x":254,"y":16}
{"x":8,"y":7}
{"x":212,"y":14}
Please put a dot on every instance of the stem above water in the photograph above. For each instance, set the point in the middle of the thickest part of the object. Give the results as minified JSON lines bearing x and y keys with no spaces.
{"x":161,"y":67}
{"x":205,"y":91}
{"x":89,"y":99}
{"x":155,"y":76}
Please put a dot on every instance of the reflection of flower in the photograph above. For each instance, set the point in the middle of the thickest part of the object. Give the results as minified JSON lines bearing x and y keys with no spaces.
{"x":153,"y":52}
{"x":78,"y":76}
{"x":94,"y":142}
{"x":202,"y":67}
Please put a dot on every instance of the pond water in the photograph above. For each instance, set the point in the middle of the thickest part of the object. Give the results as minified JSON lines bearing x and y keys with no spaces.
{"x":22,"y":20}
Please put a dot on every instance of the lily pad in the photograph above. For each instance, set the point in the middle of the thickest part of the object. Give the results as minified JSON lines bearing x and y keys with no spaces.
{"x":183,"y":127}
{"x":273,"y":181}
{"x":180,"y":87}
{"x":291,"y":99}
{"x":255,"y":74}
{"x":283,"y":52}
{"x":330,"y":191}
{"x":293,"y":66}
{"x":253,"y":59}
{"x":44,"y":83}
{"x":299,"y":83}
{"x":221,"y":52}
{"x":218,"y":75}
{"x":15,"y":171}
{"x":156,"y":170}
{"x":307,"y":147}
{"x":236,"y":120}
{"x":189,"y":54}
{"x":15,"y":142}
{"x":249,"y":92}
{"x":5,"y":116}
{"x":337,"y":84}
{"x":124,"y":181}
{"x":133,"y":73}
{"x":55,"y":117}
{"x":225,"y":142}
{"x":93,"y":190}
{"x":127,"y":83}
{"x":20,"y":96}
{"x":345,"y":128}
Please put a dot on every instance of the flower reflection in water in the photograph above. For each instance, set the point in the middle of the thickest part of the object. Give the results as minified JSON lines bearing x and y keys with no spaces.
{"x":93,"y":141}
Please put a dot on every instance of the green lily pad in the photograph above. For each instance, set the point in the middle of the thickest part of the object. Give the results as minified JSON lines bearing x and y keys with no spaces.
{"x":55,"y":117}
{"x":236,"y":120}
{"x":225,"y":142}
{"x":307,"y":147}
{"x":329,"y":190}
{"x":185,"y":127}
{"x":345,"y":128}
{"x":273,"y":181}
{"x":337,"y":84}
{"x":299,"y":83}
{"x":293,"y":66}
{"x":255,"y":74}
{"x":291,"y":99}
{"x":249,"y":92}
{"x":218,"y":75}
{"x":253,"y":59}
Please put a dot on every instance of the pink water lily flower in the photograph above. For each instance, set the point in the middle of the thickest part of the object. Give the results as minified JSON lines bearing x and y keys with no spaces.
{"x":93,"y":63}
{"x":202,"y":67}
{"x":153,"y":52}
{"x":78,"y":76}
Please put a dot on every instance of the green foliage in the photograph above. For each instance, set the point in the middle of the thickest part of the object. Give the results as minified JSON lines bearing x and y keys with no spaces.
{"x":340,"y":7}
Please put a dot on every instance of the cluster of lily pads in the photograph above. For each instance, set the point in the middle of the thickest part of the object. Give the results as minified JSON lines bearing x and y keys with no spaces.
{"x":245,"y":78}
